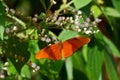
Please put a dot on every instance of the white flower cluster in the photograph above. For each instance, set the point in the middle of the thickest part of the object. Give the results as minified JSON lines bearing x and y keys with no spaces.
{"x":33,"y":65}
{"x":77,"y":22}
{"x":46,"y":38}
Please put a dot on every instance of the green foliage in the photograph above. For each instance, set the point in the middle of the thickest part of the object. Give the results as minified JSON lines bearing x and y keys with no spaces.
{"x":28,"y":27}
{"x":111,"y":68}
{"x":95,"y":58}
{"x":2,"y":20}
{"x":81,"y":3}
{"x":114,"y":13}
{"x":17,"y":52}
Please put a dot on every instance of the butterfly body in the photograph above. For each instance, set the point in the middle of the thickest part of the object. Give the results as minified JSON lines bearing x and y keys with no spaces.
{"x":62,"y":49}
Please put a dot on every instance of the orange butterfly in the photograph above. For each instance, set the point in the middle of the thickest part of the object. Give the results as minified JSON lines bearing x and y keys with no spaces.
{"x":62,"y":50}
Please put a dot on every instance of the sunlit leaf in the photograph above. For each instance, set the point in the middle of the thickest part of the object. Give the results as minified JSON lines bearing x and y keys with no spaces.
{"x":1,"y":32}
{"x":96,"y":11}
{"x":69,"y":68}
{"x":81,"y":3}
{"x":25,"y":72}
{"x":67,"y":34}
{"x":11,"y":69}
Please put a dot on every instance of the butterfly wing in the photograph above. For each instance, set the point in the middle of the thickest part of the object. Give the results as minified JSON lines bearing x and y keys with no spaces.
{"x":51,"y":52}
{"x":71,"y":45}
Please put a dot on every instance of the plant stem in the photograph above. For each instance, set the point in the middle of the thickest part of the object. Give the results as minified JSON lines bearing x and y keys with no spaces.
{"x":64,"y":6}
{"x":18,"y":20}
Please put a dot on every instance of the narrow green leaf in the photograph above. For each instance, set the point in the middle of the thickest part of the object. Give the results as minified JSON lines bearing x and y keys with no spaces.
{"x":79,"y":64}
{"x":116,"y":4}
{"x":110,"y":66}
{"x":81,"y":3}
{"x":94,"y":62}
{"x":112,"y":12}
{"x":69,"y":68}
{"x":95,"y":57}
{"x":43,"y":4}
{"x":111,"y":46}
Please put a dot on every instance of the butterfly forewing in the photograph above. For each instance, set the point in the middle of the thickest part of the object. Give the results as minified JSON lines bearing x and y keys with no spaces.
{"x":71,"y":45}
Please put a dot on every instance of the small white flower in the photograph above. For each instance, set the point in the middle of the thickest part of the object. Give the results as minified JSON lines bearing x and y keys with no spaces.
{"x":87,"y":19}
{"x":12,"y":11}
{"x":57,"y":23}
{"x":98,"y":20}
{"x":35,"y":19}
{"x":48,"y":40}
{"x":15,"y":28}
{"x":7,"y":30}
{"x":85,"y":29}
{"x":77,"y":26}
{"x":86,"y":24}
{"x":43,"y":38}
{"x":79,"y":12}
{"x":88,"y":32}
{"x":33,"y":65}
{"x":79,"y":30}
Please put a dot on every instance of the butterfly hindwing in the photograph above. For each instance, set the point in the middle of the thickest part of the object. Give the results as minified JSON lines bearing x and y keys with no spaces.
{"x":51,"y":52}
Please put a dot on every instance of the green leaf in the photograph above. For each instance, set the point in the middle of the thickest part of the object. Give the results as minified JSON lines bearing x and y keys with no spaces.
{"x":2,"y":20}
{"x":55,"y":66}
{"x":78,"y":64}
{"x":1,"y":32}
{"x":16,"y":51}
{"x":43,"y":4}
{"x":11,"y":69}
{"x":110,"y":66}
{"x":111,"y":12}
{"x":2,"y":14}
{"x":81,"y":3}
{"x":69,"y":69}
{"x":50,"y":68}
{"x":67,"y":34}
{"x":33,"y":46}
{"x":94,"y":62}
{"x":25,"y":72}
{"x":116,"y":4}
{"x":111,"y":46}
{"x":95,"y":57}
{"x":96,"y":10}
